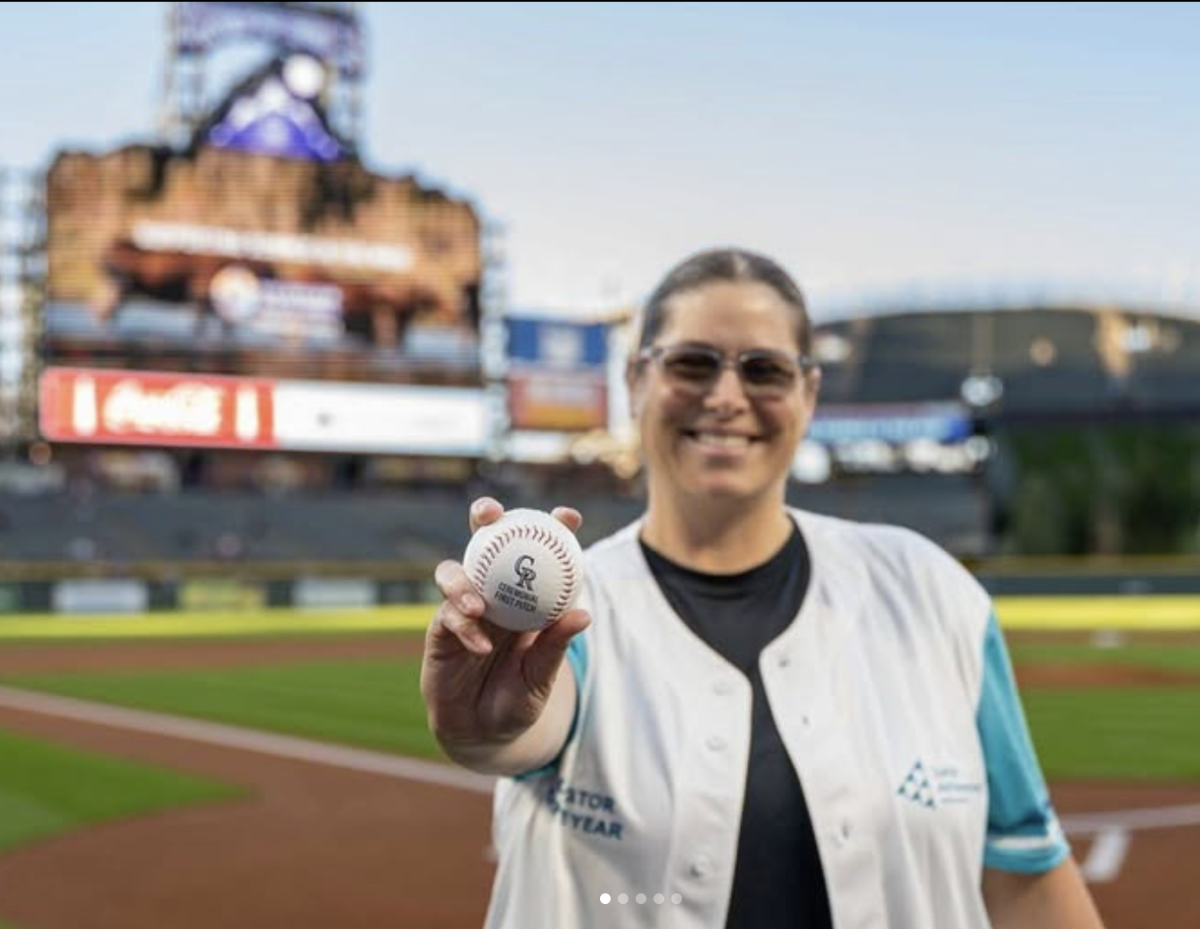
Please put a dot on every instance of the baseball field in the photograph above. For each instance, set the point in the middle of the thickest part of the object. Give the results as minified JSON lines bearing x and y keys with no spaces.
{"x":273,"y":769}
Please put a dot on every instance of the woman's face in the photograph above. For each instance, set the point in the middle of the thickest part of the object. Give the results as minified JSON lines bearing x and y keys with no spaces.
{"x":721,"y":440}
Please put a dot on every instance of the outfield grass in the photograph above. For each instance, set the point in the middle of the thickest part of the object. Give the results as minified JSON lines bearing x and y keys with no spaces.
{"x":1115,"y":732}
{"x":1125,"y":733}
{"x":1088,"y":732}
{"x":1141,"y":733}
{"x":1133,"y":654}
{"x":372,"y":704}
{"x":41,"y":793}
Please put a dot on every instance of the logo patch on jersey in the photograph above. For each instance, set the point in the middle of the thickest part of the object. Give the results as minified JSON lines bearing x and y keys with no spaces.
{"x":586,"y":811}
{"x":916,"y":786}
{"x":936,"y":785}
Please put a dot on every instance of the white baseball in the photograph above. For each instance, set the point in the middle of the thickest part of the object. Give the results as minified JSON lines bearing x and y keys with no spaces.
{"x":528,"y":567}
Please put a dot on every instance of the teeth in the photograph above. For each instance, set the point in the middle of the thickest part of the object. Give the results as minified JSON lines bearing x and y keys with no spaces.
{"x":722,"y":440}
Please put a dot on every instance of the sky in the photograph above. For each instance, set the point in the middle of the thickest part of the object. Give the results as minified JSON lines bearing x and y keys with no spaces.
{"x":880,"y":152}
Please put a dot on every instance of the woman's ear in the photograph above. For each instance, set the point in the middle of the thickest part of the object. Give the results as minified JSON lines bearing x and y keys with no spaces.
{"x":633,"y":376}
{"x":814,"y":381}
{"x":812,"y":390}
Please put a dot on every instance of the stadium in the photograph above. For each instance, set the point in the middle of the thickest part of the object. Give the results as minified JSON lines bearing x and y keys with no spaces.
{"x":248,"y":386}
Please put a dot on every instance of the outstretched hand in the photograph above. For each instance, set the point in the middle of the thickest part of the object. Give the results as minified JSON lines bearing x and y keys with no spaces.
{"x":485,"y":686}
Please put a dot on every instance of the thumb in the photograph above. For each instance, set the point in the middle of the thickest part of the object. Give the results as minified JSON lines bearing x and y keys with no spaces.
{"x":545,"y":655}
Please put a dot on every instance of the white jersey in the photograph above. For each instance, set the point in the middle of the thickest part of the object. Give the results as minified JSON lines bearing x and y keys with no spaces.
{"x":893,"y":697}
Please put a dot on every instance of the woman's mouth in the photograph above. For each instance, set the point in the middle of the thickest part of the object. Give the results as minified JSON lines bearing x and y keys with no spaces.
{"x":722,"y":440}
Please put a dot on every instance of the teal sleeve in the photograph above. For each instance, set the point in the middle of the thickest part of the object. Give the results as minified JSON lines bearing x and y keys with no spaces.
{"x":577,"y":658}
{"x":1023,"y":832}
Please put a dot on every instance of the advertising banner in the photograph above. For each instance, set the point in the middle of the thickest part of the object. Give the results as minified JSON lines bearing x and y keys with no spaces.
{"x":539,"y":399}
{"x":107,"y":407}
{"x":557,"y":374}
{"x":137,"y":407}
{"x":556,"y":343}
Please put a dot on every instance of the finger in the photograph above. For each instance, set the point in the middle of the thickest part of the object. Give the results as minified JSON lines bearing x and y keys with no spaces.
{"x":560,"y":634}
{"x":568,"y":516}
{"x":485,"y":510}
{"x":468,"y":631}
{"x":546,"y":653}
{"x":457,"y":588}
{"x":462,"y":612}
{"x":502,"y":638}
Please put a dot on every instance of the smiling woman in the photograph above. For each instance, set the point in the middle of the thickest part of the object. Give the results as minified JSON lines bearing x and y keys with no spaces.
{"x":722,"y":412}
{"x":788,"y":720}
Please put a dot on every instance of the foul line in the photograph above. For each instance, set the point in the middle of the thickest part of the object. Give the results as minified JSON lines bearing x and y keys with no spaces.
{"x":1163,"y":817}
{"x":1106,"y":856}
{"x":1112,"y":833}
{"x":253,"y":740}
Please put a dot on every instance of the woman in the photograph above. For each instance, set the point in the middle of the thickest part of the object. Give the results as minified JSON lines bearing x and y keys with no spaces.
{"x":776,"y":718}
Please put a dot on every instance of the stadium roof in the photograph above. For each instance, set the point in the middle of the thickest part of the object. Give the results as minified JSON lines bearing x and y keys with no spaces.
{"x":1179,"y":298}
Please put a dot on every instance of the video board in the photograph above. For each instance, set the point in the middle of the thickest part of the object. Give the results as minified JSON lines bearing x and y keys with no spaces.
{"x":209,"y":260}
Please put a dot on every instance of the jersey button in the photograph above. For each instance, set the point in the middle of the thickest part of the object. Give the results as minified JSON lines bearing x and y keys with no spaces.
{"x":722,"y":687}
{"x":700,"y":868}
{"x":783,"y":661}
{"x":716,"y":743}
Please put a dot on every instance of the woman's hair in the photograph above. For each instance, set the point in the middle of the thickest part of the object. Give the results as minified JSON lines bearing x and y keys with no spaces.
{"x":725,"y":264}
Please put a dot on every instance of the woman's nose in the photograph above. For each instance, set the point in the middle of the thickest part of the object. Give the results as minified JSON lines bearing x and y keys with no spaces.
{"x":727,"y":390}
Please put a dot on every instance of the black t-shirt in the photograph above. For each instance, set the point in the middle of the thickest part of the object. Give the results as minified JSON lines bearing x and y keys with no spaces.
{"x":778,"y":882}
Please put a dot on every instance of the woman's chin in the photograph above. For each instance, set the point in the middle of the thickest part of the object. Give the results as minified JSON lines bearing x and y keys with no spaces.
{"x":721,"y":486}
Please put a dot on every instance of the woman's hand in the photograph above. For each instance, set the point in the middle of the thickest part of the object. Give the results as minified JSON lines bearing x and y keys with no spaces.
{"x":496,"y":699}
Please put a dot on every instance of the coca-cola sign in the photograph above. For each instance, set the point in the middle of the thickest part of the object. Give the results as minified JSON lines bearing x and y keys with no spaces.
{"x":111,"y":407}
{"x":84,"y":405}
{"x":189,"y":408}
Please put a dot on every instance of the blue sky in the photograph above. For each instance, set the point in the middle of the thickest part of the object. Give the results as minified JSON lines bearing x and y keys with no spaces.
{"x":876,"y":149}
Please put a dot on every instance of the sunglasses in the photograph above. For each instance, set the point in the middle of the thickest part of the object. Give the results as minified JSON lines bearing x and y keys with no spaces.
{"x":764,"y":372}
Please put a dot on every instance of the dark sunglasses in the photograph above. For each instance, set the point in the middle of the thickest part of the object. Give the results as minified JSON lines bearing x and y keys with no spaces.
{"x":764,"y":372}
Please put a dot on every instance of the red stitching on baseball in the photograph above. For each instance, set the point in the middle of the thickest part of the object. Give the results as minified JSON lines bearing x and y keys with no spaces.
{"x":543,"y":536}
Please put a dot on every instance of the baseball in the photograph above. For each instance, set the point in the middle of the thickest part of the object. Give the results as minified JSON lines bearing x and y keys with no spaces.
{"x":528,"y":567}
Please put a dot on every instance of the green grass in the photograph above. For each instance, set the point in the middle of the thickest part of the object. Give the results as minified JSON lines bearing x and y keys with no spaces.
{"x":1156,"y":656}
{"x":1126,"y":733}
{"x":1141,"y":733}
{"x":1118,"y":732}
{"x":46,"y":790}
{"x":373,"y":704}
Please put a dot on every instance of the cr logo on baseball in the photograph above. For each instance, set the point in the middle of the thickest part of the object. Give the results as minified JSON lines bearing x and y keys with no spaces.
{"x":525,"y":573}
